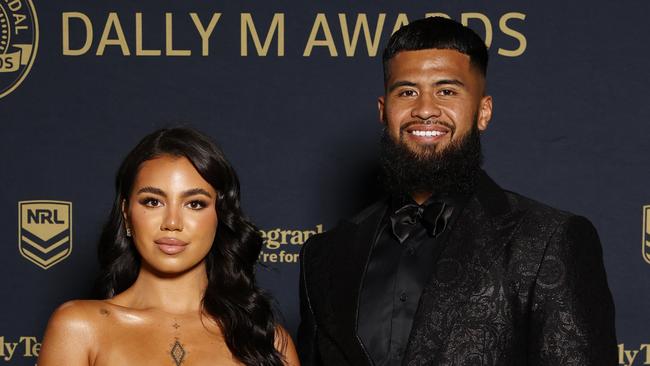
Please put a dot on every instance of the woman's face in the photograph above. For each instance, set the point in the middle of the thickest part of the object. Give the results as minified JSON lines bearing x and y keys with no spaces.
{"x":172,"y":215}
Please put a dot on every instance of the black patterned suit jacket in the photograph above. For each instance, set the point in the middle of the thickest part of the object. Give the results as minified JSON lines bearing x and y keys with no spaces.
{"x":518,"y":283}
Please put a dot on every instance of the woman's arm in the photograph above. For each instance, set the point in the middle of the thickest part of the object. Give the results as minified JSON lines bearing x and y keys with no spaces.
{"x":68,"y":337}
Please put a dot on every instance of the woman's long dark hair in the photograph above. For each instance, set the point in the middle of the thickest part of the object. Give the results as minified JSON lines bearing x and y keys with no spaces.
{"x":241,"y":309}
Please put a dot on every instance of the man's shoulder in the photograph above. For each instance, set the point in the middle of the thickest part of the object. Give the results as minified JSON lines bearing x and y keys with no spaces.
{"x":319,"y":242}
{"x":536,"y":208}
{"x":542,"y":215}
{"x":498,"y":201}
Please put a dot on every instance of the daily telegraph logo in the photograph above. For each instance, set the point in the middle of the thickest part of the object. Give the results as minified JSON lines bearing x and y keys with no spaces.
{"x":45,"y":231}
{"x":18,"y":42}
{"x":645,"y":241}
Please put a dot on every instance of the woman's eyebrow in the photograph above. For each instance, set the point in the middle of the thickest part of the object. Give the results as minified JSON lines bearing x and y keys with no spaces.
{"x":194,"y":191}
{"x":187,"y":193}
{"x":152,"y":190}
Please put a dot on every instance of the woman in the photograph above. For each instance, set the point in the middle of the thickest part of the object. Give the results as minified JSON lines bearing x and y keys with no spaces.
{"x":177,"y":264}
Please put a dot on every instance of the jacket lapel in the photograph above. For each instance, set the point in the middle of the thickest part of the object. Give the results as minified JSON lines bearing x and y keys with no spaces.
{"x":477,"y":239}
{"x":352,"y":249}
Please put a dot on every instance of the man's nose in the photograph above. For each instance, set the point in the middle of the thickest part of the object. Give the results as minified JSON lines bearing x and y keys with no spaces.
{"x":426,"y":107}
{"x":173,"y":219}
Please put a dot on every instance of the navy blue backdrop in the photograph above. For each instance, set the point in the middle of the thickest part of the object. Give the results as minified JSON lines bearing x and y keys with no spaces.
{"x":294,"y":108}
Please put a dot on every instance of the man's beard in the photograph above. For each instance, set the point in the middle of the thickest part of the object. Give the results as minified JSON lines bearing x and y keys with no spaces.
{"x":452,"y":171}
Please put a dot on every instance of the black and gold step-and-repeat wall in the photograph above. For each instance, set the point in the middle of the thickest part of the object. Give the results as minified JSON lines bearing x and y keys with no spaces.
{"x":289,"y":89}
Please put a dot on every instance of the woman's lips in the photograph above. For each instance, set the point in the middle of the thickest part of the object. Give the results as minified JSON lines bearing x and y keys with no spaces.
{"x":170,"y":245}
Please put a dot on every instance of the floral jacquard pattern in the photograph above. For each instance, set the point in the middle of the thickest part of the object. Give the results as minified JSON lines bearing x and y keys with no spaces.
{"x":530,"y":295}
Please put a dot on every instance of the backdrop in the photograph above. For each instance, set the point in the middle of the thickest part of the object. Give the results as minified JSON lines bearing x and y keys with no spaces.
{"x":288,"y":89}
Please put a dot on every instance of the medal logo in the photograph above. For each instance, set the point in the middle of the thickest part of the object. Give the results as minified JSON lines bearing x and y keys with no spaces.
{"x":18,"y":42}
{"x":45,"y":231}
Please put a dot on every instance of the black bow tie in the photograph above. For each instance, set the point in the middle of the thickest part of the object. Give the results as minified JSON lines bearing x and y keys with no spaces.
{"x":433,"y":217}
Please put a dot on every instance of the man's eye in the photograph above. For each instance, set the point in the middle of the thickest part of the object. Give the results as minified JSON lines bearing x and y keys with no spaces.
{"x":447,"y":92}
{"x":196,"y":205}
{"x":407,"y":93}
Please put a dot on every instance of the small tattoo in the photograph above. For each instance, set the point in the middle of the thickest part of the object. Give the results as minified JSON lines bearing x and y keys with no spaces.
{"x":178,"y":353}
{"x":104,"y":312}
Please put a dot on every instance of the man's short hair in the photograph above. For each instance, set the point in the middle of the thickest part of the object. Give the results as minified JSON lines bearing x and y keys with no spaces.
{"x":437,"y":33}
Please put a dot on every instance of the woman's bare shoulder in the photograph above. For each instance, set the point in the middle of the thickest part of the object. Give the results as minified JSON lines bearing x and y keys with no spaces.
{"x":80,"y":314}
{"x":72,"y":333}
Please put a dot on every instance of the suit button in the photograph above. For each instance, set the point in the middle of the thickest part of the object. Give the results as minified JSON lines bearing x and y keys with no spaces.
{"x":410,"y":251}
{"x":403,"y":297}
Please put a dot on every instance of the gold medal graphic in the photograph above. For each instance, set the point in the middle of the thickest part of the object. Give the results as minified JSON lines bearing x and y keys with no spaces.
{"x":18,"y":42}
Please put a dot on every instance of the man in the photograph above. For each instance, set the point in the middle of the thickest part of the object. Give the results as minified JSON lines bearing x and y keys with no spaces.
{"x":450,"y":269}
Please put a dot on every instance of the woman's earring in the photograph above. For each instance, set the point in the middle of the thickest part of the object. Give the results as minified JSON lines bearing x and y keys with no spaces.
{"x":128,"y":232}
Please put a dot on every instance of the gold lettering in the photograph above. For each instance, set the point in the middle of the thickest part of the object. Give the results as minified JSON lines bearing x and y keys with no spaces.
{"x":630,"y":356}
{"x":205,"y":33}
{"x":402,"y":20}
{"x":271,"y":239}
{"x":169,"y":42}
{"x":465,"y":17}
{"x":247,"y":24}
{"x":308,"y":233}
{"x":275,"y":238}
{"x":320,"y":22}
{"x":30,"y":345}
{"x":503,"y":25}
{"x":297,"y":237}
{"x":67,"y":51}
{"x":284,"y":236}
{"x":36,"y":349}
{"x":621,"y":355}
{"x":113,"y":22}
{"x":361,"y":23}
{"x":11,"y":348}
{"x":19,"y":18}
{"x":646,"y":347}
{"x":286,"y":257}
{"x":139,"y":50}
{"x":264,"y":257}
{"x":14,"y":5}
{"x":442,"y":15}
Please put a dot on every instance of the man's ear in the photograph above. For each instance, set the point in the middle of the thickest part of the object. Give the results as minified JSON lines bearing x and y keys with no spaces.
{"x":381,"y":107}
{"x":484,"y":113}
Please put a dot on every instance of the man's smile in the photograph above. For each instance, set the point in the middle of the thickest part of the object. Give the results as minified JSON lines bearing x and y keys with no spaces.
{"x":426,"y":132}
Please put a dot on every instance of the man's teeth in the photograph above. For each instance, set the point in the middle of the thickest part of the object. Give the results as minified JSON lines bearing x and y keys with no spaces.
{"x":427,"y":133}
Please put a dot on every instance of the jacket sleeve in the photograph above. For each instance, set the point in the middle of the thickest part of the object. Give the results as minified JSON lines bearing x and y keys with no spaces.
{"x":572,"y":315}
{"x":307,"y":330}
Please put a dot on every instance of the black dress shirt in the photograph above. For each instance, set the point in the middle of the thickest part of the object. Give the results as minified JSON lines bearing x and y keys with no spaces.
{"x":394,"y":278}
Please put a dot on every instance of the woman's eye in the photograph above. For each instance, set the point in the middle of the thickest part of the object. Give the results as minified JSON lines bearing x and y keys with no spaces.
{"x":196,"y":205}
{"x":151,"y":202}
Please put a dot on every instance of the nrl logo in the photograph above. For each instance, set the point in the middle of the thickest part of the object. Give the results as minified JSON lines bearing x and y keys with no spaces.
{"x":645,"y":241}
{"x":45,"y":231}
{"x":18,"y":42}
